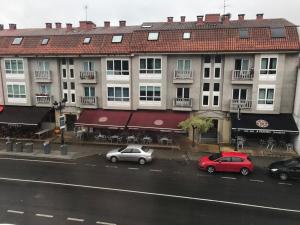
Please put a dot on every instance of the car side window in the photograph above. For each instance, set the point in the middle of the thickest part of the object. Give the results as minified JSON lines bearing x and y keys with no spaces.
{"x":236,"y":159}
{"x":136,"y":150}
{"x":225,"y":159}
{"x":127,"y":150}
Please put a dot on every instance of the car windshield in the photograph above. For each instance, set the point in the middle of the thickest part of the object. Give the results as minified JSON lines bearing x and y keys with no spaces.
{"x":121,"y":149}
{"x":291,"y":162}
{"x":145,"y":149}
{"x":215,"y":156}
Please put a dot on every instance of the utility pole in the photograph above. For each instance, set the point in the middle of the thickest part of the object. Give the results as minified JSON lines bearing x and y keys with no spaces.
{"x":237,"y":129}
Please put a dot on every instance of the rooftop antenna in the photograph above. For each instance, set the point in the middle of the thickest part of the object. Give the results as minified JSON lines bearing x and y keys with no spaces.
{"x":224,"y":7}
{"x":86,"y":11}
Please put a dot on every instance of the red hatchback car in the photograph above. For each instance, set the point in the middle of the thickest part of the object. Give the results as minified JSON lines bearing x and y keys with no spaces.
{"x":226,"y":162}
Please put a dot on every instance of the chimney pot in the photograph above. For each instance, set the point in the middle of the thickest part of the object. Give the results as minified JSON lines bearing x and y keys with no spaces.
{"x":170,"y":19}
{"x":69,"y":26}
{"x":49,"y":25}
{"x":259,"y":16}
{"x":122,"y":23}
{"x":226,"y":18}
{"x":86,"y":25}
{"x":57,"y":25}
{"x":182,"y":19}
{"x":12,"y":26}
{"x":241,"y":17}
{"x":106,"y":24}
{"x":200,"y":20}
{"x":1,"y":27}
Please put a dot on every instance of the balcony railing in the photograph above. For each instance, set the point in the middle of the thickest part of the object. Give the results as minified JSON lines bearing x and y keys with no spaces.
{"x":243,"y":104}
{"x":42,"y":75}
{"x":88,"y":100}
{"x":182,"y":102}
{"x":243,"y":75}
{"x":183,"y":75}
{"x":88,"y":76}
{"x":43,"y":99}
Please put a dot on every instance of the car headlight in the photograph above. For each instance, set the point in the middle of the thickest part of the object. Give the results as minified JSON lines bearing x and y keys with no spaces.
{"x":274,"y":169}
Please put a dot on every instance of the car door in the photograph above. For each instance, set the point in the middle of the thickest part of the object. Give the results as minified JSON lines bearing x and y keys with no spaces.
{"x":136,"y":154}
{"x":236,"y":164}
{"x":295,"y":171}
{"x":125,"y":154}
{"x":223,"y":164}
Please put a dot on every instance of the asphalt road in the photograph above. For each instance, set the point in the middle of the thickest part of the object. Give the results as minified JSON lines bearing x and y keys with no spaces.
{"x":94,"y":191}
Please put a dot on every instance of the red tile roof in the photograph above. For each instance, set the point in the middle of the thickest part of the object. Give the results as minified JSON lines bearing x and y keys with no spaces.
{"x":210,"y":37}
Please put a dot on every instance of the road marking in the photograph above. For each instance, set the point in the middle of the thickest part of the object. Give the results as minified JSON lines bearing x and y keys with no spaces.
{"x":133,"y":168}
{"x":75,"y":219}
{"x":90,"y":164}
{"x":285,"y":184}
{"x":36,"y":160}
{"x":115,"y":167}
{"x":201,"y":175}
{"x":105,"y":223}
{"x":259,"y":181}
{"x":178,"y":172}
{"x":15,"y":211}
{"x":152,"y":194}
{"x":229,"y":178}
{"x":44,"y":215}
{"x":156,"y":171}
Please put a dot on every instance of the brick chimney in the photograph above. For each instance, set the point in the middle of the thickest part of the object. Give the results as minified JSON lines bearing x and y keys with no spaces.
{"x":226,"y":18}
{"x":241,"y":17}
{"x":170,"y":19}
{"x":200,"y":20}
{"x":212,"y":18}
{"x":259,"y":16}
{"x":1,"y":27}
{"x":57,"y":25}
{"x":182,"y":19}
{"x":12,"y":26}
{"x":122,"y":23}
{"x":69,"y":27}
{"x":106,"y":24}
{"x":49,"y":25}
{"x":86,"y":25}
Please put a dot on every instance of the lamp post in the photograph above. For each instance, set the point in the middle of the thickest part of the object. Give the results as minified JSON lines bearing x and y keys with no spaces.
{"x":59,"y":106}
{"x":237,"y":129}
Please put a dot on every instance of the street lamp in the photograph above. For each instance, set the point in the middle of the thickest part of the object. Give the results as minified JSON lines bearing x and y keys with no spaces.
{"x":59,"y":106}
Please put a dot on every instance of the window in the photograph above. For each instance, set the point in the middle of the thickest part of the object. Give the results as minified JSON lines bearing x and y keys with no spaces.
{"x":14,"y":66}
{"x":207,"y":59}
{"x":17,"y":41}
{"x":150,"y":65}
{"x":64,"y":73}
{"x":244,"y":33}
{"x":43,"y":65}
{"x":146,"y":26}
{"x":117,"y":67}
{"x":71,"y":62}
{"x":87,"y":40}
{"x":186,"y":35}
{"x":225,"y":159}
{"x":206,"y":87}
{"x":205,"y":100}
{"x":117,"y":38}
{"x":71,"y":73}
{"x":216,"y":86}
{"x":239,"y":94}
{"x":153,"y":36}
{"x":65,"y":85}
{"x":45,"y":41}
{"x":236,"y":159}
{"x":66,"y":96}
{"x":16,"y":91}
{"x":241,"y":64}
{"x":206,"y":72}
{"x":89,"y":91}
{"x":184,"y":65}
{"x":278,"y":32}
{"x":216,"y":94}
{"x":63,"y":61}
{"x":266,"y":96}
{"x":120,"y":94}
{"x":73,"y":98}
{"x":88,"y":66}
{"x":218,"y":59}
{"x":217,"y":72}
{"x":72,"y":86}
{"x":45,"y":89}
{"x":205,"y":94}
{"x":183,"y":93}
{"x":268,"y":66}
{"x":150,"y":93}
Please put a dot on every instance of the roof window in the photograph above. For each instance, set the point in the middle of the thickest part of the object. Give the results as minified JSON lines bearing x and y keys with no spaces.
{"x":117,"y":38}
{"x":186,"y":35}
{"x":153,"y":36}
{"x":87,"y":40}
{"x":244,"y":33}
{"x":17,"y":41}
{"x":146,"y":26}
{"x":45,"y":41}
{"x":277,"y":32}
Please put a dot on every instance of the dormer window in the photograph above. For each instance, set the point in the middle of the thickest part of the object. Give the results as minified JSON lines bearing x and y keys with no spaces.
{"x":117,"y":38}
{"x":278,"y":32}
{"x":45,"y":41}
{"x":153,"y":36}
{"x":17,"y":41}
{"x":186,"y":35}
{"x":244,"y":33}
{"x":87,"y":40}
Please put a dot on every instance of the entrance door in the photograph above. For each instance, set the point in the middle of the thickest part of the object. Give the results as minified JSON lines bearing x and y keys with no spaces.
{"x":70,"y":120}
{"x":242,"y":64}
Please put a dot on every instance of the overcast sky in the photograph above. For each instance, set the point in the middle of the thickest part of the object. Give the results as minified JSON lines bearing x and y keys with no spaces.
{"x":35,"y":13}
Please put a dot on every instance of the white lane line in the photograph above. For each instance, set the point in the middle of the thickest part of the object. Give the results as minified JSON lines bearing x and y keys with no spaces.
{"x":158,"y":171}
{"x":259,"y":181}
{"x":105,"y":223}
{"x":152,"y":194}
{"x":36,"y":160}
{"x":115,"y":167}
{"x":15,"y":211}
{"x":133,"y":168}
{"x":90,"y":164}
{"x":229,"y":178}
{"x":44,"y":215}
{"x":285,"y":184}
{"x":75,"y":219}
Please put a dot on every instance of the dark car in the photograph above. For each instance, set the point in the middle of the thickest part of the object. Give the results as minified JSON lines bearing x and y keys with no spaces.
{"x":286,"y":169}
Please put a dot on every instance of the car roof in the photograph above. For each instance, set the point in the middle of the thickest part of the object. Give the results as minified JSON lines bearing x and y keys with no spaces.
{"x":134,"y":146}
{"x":234,"y":154}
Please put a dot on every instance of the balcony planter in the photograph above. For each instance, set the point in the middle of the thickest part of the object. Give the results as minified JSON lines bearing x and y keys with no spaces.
{"x":56,"y":130}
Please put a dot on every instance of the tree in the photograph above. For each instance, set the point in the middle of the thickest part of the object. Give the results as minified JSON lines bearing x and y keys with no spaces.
{"x":196,"y":123}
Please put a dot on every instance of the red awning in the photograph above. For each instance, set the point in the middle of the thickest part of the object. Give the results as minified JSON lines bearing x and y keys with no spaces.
{"x":103,"y":118}
{"x":157,"y":120}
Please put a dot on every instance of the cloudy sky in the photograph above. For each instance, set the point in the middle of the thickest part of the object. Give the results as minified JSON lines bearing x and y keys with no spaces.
{"x":34,"y":13}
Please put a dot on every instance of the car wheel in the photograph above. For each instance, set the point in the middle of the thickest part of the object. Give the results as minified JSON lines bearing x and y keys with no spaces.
{"x":283,"y":176}
{"x":142,"y":161}
{"x":113,"y":159}
{"x":210,"y":169}
{"x":244,"y":171}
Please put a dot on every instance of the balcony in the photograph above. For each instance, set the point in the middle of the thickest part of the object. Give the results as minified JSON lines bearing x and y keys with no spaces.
{"x":242,"y":76}
{"x":88,"y":77}
{"x":42,"y":76}
{"x":43,"y":100}
{"x":181,"y":76}
{"x":182,"y":104}
{"x":243,"y":104}
{"x":88,"y":102}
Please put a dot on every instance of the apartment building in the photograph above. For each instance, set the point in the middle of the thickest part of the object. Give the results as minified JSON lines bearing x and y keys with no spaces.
{"x":214,"y":67}
{"x":297,"y":110}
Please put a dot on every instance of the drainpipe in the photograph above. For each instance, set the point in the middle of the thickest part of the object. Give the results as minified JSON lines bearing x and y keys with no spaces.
{"x":2,"y":84}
